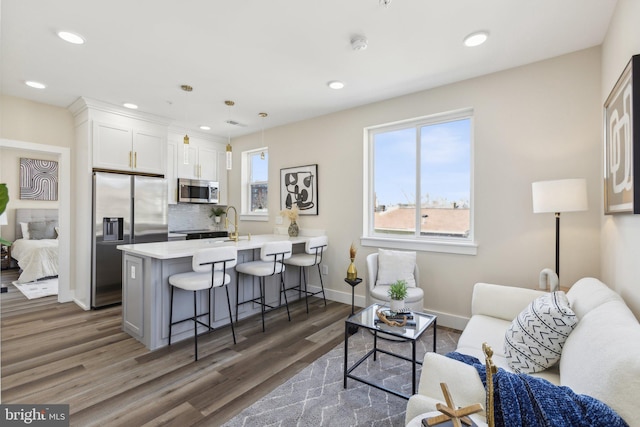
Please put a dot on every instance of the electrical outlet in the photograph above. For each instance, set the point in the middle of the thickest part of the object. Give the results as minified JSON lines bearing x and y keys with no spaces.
{"x":325,"y":269}
{"x":279,"y":220}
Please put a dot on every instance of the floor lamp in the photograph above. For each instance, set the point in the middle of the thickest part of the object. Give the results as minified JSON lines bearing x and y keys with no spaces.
{"x":564,"y":195}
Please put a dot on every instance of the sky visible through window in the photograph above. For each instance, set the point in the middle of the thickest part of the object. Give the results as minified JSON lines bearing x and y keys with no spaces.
{"x":259,"y":167}
{"x":444,"y":166}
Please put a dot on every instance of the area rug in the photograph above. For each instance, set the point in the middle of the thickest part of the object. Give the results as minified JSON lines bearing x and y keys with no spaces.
{"x":38,"y":289}
{"x":316,"y":397}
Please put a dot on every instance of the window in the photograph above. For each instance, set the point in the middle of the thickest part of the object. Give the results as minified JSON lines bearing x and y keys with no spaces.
{"x":419,"y":179}
{"x":255,"y":176}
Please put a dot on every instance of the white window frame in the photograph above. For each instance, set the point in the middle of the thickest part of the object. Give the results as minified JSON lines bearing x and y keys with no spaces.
{"x":463,"y":246}
{"x":245,"y":190}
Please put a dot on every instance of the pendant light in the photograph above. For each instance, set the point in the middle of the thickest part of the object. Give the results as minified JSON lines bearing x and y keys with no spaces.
{"x":229,"y":153}
{"x":263,"y":116}
{"x":185,"y":140}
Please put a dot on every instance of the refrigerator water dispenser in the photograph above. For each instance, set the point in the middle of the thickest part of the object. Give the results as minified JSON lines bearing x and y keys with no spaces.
{"x":112,"y":229}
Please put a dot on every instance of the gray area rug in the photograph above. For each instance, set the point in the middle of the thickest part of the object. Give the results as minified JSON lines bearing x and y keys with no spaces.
{"x":316,"y":397}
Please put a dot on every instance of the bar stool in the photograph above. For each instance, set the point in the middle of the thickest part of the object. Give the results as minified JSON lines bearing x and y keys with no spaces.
{"x":313,"y":250}
{"x":272,"y":255}
{"x":209,"y":267}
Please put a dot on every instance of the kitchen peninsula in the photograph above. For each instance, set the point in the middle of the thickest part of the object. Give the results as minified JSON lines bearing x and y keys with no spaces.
{"x":146,"y":290}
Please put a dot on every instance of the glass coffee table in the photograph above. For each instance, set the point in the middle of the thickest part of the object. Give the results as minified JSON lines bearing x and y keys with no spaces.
{"x":367,"y":318}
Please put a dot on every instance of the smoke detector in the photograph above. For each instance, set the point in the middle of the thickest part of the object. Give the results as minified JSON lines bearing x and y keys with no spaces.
{"x":358,"y":43}
{"x":385,"y":3}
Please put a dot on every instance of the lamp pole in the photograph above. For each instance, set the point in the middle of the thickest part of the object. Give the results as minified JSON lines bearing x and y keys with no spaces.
{"x":558,"y":244}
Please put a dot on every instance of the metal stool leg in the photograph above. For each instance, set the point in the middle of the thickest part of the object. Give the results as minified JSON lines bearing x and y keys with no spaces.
{"x":195,"y":323}
{"x":233,"y":332}
{"x":237,"y":296}
{"x":322,"y":285}
{"x":262,"y":299}
{"x":306,"y":293}
{"x":170,"y":314}
{"x":286,"y":303}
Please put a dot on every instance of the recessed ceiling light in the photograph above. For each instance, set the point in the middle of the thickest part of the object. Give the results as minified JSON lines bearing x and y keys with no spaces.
{"x":35,"y":85}
{"x":476,"y":39}
{"x":359,"y":43}
{"x":71,"y":37}
{"x":335,"y":84}
{"x":205,"y":127}
{"x":130,"y":106}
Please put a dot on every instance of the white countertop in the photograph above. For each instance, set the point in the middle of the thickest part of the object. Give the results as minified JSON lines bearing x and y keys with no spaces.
{"x":186,"y":248}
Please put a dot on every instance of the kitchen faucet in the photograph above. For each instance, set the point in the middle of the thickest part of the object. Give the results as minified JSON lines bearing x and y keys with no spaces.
{"x":235,"y":236}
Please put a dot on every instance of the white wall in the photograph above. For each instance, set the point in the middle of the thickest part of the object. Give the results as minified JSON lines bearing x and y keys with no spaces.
{"x":620,"y":234}
{"x":537,"y":122}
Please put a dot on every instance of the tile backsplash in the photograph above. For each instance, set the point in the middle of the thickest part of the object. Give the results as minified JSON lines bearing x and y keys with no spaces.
{"x":190,"y":216}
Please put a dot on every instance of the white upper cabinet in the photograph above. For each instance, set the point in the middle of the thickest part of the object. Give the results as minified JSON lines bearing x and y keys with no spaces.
{"x":202,"y":159}
{"x":126,"y":148}
{"x":205,"y":161}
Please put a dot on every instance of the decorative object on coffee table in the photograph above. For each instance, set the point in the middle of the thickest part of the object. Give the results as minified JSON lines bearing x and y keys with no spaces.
{"x":449,"y":411}
{"x":390,"y":321}
{"x":397,"y":292}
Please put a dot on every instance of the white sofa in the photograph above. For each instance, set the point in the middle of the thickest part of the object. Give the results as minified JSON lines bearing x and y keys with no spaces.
{"x":600,"y":358}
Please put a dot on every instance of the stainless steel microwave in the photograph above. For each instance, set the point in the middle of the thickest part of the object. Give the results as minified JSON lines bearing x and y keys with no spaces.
{"x":197,"y":191}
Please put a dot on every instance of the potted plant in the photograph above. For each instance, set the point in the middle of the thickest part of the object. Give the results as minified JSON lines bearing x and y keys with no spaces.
{"x":216,"y":214}
{"x":397,"y":293}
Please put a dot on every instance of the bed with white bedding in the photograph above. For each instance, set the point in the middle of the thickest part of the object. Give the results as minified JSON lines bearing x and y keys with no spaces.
{"x":36,"y":244}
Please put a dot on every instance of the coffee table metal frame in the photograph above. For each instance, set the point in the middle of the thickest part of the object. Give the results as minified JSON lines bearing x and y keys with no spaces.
{"x":365,"y":318}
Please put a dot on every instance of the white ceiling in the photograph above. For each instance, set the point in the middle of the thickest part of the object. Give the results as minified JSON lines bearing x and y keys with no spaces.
{"x":274,"y":56}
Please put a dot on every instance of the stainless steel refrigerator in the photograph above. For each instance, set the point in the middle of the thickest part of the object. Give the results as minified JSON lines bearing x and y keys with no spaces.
{"x":126,"y":209}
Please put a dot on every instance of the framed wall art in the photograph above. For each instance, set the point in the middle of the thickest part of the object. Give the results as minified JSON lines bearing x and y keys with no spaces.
{"x":299,"y":186}
{"x":38,"y":179}
{"x":622,"y":143}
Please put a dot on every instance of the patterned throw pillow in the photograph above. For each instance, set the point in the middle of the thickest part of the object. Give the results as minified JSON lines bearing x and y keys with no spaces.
{"x":535,"y":338}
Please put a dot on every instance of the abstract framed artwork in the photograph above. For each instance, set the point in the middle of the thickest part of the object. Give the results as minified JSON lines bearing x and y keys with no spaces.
{"x":622,"y":143}
{"x":38,"y":179}
{"x":299,"y":186}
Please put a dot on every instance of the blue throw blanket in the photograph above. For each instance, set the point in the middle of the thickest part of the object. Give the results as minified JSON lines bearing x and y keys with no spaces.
{"x":523,"y":400}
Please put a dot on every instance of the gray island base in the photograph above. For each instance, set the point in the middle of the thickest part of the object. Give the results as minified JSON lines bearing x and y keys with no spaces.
{"x":146,"y":289}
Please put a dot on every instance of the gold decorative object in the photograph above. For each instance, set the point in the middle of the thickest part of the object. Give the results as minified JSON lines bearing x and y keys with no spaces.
{"x":384,"y":319}
{"x":490,"y":369}
{"x":457,"y":416}
{"x":352,"y":273}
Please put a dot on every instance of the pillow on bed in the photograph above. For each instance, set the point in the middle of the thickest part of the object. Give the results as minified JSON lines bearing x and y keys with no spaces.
{"x":42,"y":230}
{"x":24,"y":226}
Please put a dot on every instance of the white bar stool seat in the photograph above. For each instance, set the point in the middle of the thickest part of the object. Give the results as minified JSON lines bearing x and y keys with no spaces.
{"x":272,"y":255}
{"x":209,"y":271}
{"x":313,"y":251}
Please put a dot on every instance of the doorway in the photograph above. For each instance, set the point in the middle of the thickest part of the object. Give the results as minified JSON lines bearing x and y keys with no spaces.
{"x":65,"y":290}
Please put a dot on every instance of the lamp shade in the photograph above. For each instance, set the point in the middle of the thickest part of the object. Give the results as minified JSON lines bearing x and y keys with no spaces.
{"x":563,"y":195}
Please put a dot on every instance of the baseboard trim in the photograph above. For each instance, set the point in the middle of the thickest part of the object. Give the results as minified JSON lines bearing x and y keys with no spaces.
{"x":448,"y":320}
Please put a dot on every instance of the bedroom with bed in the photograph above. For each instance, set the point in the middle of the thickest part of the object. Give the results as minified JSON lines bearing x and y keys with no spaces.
{"x":35,"y":250}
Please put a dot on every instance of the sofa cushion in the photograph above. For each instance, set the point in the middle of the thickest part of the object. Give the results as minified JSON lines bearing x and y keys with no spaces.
{"x":600,"y":358}
{"x":535,"y":338}
{"x":589,"y":293}
{"x":394,"y":266}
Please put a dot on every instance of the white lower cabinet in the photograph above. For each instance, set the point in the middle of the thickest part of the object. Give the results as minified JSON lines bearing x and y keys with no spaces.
{"x":133,"y":296}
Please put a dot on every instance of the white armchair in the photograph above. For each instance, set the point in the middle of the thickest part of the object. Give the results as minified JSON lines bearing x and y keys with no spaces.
{"x":377,"y":292}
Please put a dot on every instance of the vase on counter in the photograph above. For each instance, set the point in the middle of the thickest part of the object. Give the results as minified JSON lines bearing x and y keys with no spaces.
{"x":293,"y":229}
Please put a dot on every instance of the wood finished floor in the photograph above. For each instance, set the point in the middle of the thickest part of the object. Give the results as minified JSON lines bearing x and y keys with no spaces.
{"x":58,"y":353}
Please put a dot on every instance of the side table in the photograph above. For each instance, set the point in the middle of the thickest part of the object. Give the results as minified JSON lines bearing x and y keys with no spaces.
{"x":353,"y":283}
